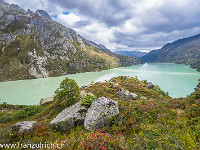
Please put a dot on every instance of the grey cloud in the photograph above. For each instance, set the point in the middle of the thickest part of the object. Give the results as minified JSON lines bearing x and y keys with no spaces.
{"x":106,"y":11}
{"x":155,"y":25}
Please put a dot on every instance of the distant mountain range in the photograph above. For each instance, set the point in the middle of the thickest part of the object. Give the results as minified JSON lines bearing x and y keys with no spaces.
{"x":185,"y":51}
{"x":131,"y":53}
{"x":32,"y":45}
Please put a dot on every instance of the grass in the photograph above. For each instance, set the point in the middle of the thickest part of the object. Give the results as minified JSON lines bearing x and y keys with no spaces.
{"x":159,"y":122}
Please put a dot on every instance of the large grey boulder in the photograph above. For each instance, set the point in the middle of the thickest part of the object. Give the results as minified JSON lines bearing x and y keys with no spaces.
{"x":122,"y":94}
{"x":71,"y":116}
{"x":24,"y":127}
{"x":45,"y":100}
{"x":100,"y":112}
{"x":150,"y":86}
{"x":132,"y":96}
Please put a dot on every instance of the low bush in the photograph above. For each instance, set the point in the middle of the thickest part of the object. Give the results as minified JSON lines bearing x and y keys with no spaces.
{"x":87,"y":100}
{"x":22,"y":113}
{"x":99,"y":140}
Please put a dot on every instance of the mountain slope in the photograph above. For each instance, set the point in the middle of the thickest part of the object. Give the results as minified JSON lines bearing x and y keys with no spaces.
{"x":34,"y":46}
{"x":186,"y":51}
{"x":131,"y":53}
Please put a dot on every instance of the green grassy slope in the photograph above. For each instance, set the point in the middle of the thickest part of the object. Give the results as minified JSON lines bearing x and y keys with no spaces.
{"x":159,"y":122}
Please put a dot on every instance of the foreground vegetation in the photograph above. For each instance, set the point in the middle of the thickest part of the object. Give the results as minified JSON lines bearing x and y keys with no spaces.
{"x":157,"y":122}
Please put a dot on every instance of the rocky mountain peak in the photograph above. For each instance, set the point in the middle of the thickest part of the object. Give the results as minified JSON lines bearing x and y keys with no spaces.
{"x":43,"y":13}
{"x":17,"y":6}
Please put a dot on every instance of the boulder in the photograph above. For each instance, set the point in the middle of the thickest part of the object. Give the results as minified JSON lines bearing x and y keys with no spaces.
{"x":100,"y":112}
{"x":132,"y":96}
{"x":125,"y":77}
{"x":45,"y":100}
{"x":150,"y":86}
{"x":116,"y":85}
{"x":112,"y":80}
{"x":144,"y":98}
{"x":24,"y":127}
{"x":122,"y":94}
{"x":84,"y":93}
{"x":71,"y":116}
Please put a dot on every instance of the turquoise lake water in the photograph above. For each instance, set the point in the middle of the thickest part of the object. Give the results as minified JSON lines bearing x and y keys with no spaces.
{"x":177,"y":79}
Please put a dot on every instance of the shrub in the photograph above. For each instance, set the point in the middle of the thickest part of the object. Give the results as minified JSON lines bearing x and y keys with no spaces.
{"x":22,"y":113}
{"x":99,"y":140}
{"x":193,"y":112}
{"x":158,"y":89}
{"x":68,"y":91}
{"x":87,"y":100}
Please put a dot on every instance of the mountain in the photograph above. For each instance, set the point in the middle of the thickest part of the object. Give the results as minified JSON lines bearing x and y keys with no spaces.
{"x":185,"y":51}
{"x":131,"y":53}
{"x":32,"y":45}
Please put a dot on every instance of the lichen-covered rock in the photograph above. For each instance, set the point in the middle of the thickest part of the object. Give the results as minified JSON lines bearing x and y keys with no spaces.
{"x":116,"y":85}
{"x":24,"y":127}
{"x":122,"y":94}
{"x":143,"y":97}
{"x":100,"y":112}
{"x":112,"y":80}
{"x":84,"y":93}
{"x":71,"y":116}
{"x":45,"y":100}
{"x":132,"y":96}
{"x":150,"y":86}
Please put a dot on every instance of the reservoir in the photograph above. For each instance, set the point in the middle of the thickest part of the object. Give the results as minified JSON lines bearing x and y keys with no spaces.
{"x":177,"y":79}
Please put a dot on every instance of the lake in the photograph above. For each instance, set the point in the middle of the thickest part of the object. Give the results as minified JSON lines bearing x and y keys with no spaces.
{"x":177,"y":79}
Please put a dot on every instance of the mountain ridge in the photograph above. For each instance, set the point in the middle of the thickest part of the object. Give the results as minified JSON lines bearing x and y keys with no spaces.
{"x":131,"y":53}
{"x":185,"y":51}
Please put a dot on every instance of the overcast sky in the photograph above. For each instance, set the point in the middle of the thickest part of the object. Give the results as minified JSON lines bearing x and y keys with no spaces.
{"x":124,"y":24}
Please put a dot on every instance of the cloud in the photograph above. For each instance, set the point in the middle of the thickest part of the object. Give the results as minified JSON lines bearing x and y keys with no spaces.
{"x":124,"y":24}
{"x":68,"y":19}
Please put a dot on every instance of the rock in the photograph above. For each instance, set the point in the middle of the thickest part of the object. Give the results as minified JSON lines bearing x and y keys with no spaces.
{"x":112,"y":80}
{"x":100,"y":112}
{"x":150,"y":86}
{"x":43,"y":13}
{"x":18,"y":7}
{"x":116,"y":85}
{"x":144,"y":98}
{"x":71,"y":116}
{"x":84,"y":93}
{"x":45,"y":100}
{"x":24,"y":127}
{"x":132,"y":96}
{"x":122,"y":94}
{"x":198,"y":88}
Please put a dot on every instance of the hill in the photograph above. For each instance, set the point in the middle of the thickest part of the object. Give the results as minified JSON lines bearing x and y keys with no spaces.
{"x":153,"y":120}
{"x":185,"y":51}
{"x":32,"y":45}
